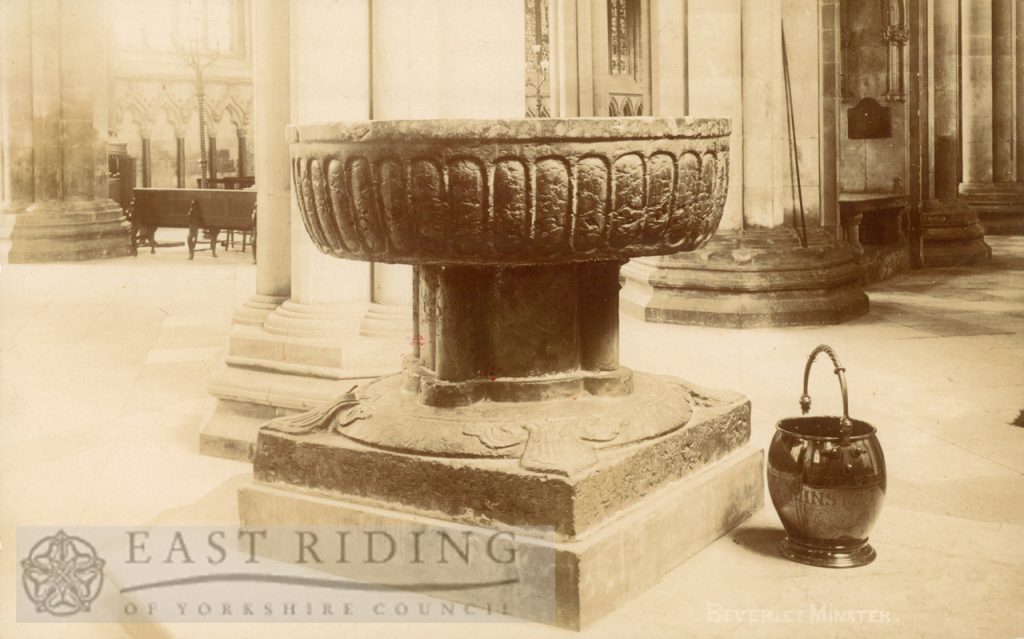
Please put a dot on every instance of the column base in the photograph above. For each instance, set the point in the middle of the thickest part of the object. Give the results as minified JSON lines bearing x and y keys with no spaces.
{"x":750,"y":278}
{"x":952,"y":235}
{"x":69,"y":231}
{"x":999,"y":207}
{"x":254,"y":310}
{"x":387,"y":321}
{"x":669,"y":496}
{"x":302,"y":356}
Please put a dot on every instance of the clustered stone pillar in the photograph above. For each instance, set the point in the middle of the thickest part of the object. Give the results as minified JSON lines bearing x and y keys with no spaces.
{"x":950,"y":231}
{"x":308,"y":328}
{"x":55,"y":132}
{"x":989,"y":33}
{"x":755,"y":271}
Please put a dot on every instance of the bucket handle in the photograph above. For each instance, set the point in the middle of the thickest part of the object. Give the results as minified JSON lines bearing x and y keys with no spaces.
{"x":845,"y":425}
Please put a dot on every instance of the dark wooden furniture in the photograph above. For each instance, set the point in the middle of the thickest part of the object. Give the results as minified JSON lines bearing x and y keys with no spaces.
{"x":120,"y":173}
{"x":873,"y":218}
{"x":229,"y":182}
{"x":212,"y":210}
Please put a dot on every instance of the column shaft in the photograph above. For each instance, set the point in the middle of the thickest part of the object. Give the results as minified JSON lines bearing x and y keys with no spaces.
{"x":272,"y":112}
{"x":945,"y":99}
{"x":211,"y":145}
{"x":242,"y":167}
{"x":976,"y":42}
{"x":714,"y":73}
{"x":1003,"y":126}
{"x":179,"y":164}
{"x":16,"y":125}
{"x":147,"y":174}
{"x":1019,"y":114}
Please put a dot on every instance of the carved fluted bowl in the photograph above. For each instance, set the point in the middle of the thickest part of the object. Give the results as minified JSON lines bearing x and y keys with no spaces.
{"x":529,"y":191}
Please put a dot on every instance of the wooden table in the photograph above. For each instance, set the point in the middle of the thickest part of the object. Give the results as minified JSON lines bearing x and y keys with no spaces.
{"x":872,"y":218}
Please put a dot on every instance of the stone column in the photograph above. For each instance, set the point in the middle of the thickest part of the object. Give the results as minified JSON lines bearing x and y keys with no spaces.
{"x":147,"y":163}
{"x":389,"y":314}
{"x":242,"y":160}
{"x":179,"y":165}
{"x":16,"y":125}
{"x":296,"y":343}
{"x":754,"y":271}
{"x":976,"y":38}
{"x":57,"y":176}
{"x":950,"y":231}
{"x":715,"y":76}
{"x":425,"y":81}
{"x":211,"y":150}
{"x":988,"y":128}
{"x":712,"y":75}
{"x":945,"y":99}
{"x":1003,"y":126}
{"x":1019,"y":82}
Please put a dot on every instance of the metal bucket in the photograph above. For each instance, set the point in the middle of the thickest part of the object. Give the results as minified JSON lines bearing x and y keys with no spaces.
{"x":826,"y":477}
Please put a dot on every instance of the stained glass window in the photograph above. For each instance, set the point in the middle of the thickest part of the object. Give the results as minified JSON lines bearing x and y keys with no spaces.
{"x":624,"y":37}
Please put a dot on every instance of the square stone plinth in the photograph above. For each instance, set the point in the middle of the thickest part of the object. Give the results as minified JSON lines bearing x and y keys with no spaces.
{"x":593,"y":573}
{"x":489,"y":491}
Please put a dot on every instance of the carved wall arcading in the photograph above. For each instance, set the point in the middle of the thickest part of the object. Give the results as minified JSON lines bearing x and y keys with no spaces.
{"x":150,"y":108}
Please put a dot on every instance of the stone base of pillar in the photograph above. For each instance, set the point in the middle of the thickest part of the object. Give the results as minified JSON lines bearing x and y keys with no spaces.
{"x":749,"y":278}
{"x":952,"y":235}
{"x":670,"y":495}
{"x":999,"y":207}
{"x":302,"y":356}
{"x":69,"y":231}
{"x":387,"y":321}
{"x":247,"y":398}
{"x":7,"y":219}
{"x":883,"y":261}
{"x":254,"y":310}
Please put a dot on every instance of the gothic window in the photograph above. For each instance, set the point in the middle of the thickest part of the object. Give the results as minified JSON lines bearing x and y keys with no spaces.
{"x":166,"y":25}
{"x":624,"y":40}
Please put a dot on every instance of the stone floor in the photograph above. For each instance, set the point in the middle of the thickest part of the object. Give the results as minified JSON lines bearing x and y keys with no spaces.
{"x":103,"y":389}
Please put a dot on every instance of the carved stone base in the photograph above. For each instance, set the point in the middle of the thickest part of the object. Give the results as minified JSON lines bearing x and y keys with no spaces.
{"x":269,"y":375}
{"x":750,"y":278}
{"x":69,"y":231}
{"x":952,"y":235}
{"x":388,"y":321}
{"x":595,"y":571}
{"x":563,"y":463}
{"x":254,"y":310}
{"x":999,"y":207}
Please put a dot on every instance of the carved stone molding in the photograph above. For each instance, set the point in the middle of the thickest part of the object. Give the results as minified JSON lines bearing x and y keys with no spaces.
{"x":516,"y":192}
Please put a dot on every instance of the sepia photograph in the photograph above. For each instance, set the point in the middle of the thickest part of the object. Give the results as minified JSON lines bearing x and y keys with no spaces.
{"x":511,"y":318}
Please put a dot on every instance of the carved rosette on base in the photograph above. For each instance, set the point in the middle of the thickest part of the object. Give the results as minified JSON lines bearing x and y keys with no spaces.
{"x":513,"y":407}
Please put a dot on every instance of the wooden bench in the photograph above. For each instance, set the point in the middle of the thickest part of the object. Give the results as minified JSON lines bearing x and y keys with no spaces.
{"x":213,"y":210}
